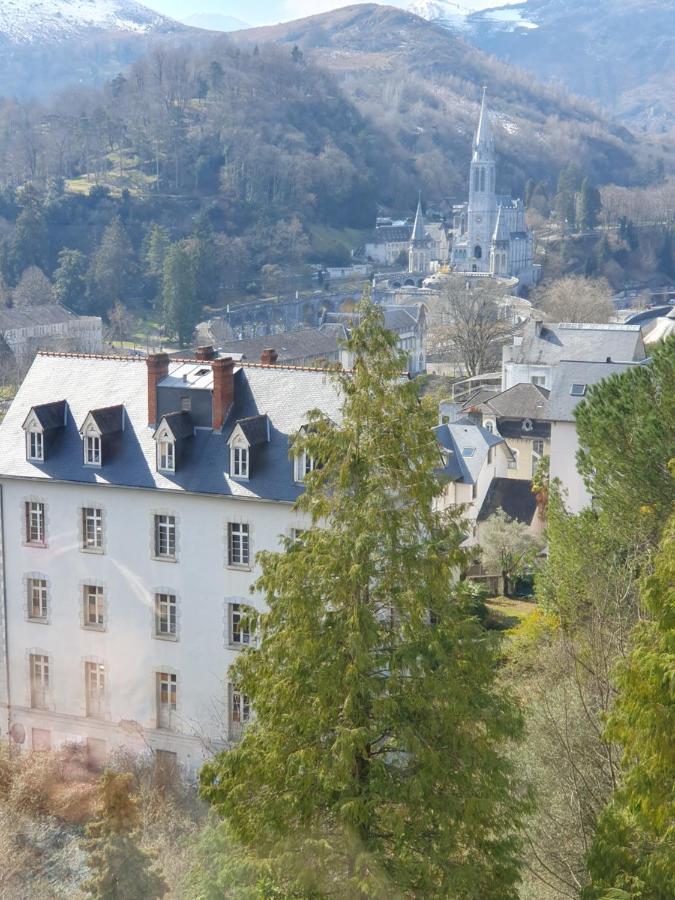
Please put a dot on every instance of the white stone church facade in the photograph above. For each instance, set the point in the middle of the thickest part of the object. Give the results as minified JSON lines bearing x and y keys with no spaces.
{"x":491,"y":235}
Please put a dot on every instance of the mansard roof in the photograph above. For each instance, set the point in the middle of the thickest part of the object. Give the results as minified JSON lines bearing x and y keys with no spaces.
{"x":95,"y":382}
{"x":457,"y":439}
{"x":562,"y":401}
{"x":548,"y":343}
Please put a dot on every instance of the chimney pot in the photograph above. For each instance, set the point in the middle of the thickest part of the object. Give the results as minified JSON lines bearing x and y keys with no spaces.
{"x":158,"y":368}
{"x":205,"y":353}
{"x":269,"y":357}
{"x":223,"y":390}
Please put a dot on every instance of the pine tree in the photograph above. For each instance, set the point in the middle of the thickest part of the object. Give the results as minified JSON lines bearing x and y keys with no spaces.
{"x":155,"y":247}
{"x":120,"y":869}
{"x":70,"y":280}
{"x":634,"y":847}
{"x":569,"y":182}
{"x":666,"y":259}
{"x":588,"y":205}
{"x":112,"y":269}
{"x":179,"y":294}
{"x":31,"y":240}
{"x":374,"y":766}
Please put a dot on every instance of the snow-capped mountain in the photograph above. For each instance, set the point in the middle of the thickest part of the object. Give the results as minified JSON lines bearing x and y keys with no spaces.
{"x":456,"y":14}
{"x":36,"y":21}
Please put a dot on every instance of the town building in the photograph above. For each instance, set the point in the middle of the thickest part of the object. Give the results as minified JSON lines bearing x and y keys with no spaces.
{"x":490,"y":232}
{"x":135,"y":496}
{"x":27,"y":329}
{"x":409,"y":324}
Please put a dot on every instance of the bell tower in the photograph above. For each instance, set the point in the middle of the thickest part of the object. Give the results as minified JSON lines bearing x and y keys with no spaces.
{"x":482,"y":209}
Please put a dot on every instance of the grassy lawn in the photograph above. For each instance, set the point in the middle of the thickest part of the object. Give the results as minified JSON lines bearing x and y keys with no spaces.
{"x":507,"y":612}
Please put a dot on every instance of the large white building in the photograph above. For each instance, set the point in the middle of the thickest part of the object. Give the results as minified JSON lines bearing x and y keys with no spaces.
{"x":135,"y":496}
{"x":491,"y":235}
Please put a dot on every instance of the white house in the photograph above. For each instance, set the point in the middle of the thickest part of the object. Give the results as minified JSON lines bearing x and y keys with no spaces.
{"x":48,"y":327}
{"x":134,"y":499}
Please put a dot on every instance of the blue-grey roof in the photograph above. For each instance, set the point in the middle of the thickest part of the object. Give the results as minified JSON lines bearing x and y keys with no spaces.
{"x":561,"y":403}
{"x":577,"y":341}
{"x":254,"y":429}
{"x":50,"y":415}
{"x":89,"y":382}
{"x":514,"y":496}
{"x":180,"y":424}
{"x":457,"y":437}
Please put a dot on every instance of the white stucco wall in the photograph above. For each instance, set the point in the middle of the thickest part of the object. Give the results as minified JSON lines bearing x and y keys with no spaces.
{"x":564,"y":446}
{"x":518,"y":373}
{"x":130,"y":576}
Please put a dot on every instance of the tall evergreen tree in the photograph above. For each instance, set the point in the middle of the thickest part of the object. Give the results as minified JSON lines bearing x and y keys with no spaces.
{"x":70,"y":284}
{"x":30,"y":245}
{"x":112,"y":269}
{"x":634,"y":847}
{"x":588,"y":205}
{"x":120,"y":869}
{"x":179,"y":294}
{"x":155,"y":247}
{"x":374,"y":766}
{"x":666,"y":258}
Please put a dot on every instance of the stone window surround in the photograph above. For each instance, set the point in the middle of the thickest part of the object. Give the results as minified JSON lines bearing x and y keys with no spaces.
{"x":25,"y":580}
{"x":93,"y":582}
{"x":98,"y":661}
{"x":165,"y":512}
{"x":170,"y":638}
{"x":95,"y":551}
{"x":24,"y":523}
{"x":168,"y":670}
{"x":39,"y":651}
{"x":229,"y":602}
{"x":239,"y":567}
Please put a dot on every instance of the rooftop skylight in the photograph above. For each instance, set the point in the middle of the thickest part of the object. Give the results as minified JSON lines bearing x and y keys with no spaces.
{"x":578,"y":390}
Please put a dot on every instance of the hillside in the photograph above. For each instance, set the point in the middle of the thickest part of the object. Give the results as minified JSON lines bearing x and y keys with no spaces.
{"x":46,"y":45}
{"x":421,"y":83}
{"x":621,"y":54}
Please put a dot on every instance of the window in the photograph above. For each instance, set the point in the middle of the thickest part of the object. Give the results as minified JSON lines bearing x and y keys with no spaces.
{"x":167,"y":687}
{"x":240,"y":709}
{"x":578,"y":390}
{"x":166,"y":456}
{"x":296,"y":534}
{"x":468,"y":451}
{"x":165,"y":537}
{"x":37,"y":599}
{"x":165,"y":615}
{"x":185,"y":404}
{"x":491,"y":454}
{"x":489,"y":426}
{"x":39,"y":680}
{"x":92,"y":528}
{"x":94,"y":606}
{"x":537,"y":453}
{"x":35,"y":445}
{"x":304,"y":464}
{"x":538,"y":380}
{"x":94,"y":677}
{"x":240,"y":462}
{"x":237,"y":544}
{"x":240,"y":635}
{"x":477,"y":251}
{"x":35,"y":523}
{"x":513,"y":463}
{"x":92,"y":450}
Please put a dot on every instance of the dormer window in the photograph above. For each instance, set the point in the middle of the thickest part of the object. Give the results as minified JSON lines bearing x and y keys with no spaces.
{"x":166,"y":455}
{"x":92,"y":450}
{"x":527,"y":424}
{"x":35,"y":446}
{"x":240,"y":462}
{"x":304,"y":464}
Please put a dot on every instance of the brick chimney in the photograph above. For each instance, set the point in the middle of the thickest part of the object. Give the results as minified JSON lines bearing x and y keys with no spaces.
{"x":269,"y":357}
{"x":205,"y":353}
{"x":158,"y":368}
{"x":223,"y":390}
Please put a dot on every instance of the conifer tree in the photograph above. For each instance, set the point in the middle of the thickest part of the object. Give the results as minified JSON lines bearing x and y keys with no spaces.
{"x":374,"y":765}
{"x":155,"y":247}
{"x":179,"y":293}
{"x":587,"y":205}
{"x":121,"y":870}
{"x":110,"y":276}
{"x":634,"y":846}
{"x":69,"y":279}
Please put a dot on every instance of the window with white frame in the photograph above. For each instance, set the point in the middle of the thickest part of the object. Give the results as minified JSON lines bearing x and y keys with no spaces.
{"x":166,"y":455}
{"x":537,"y":453}
{"x":296,"y":534}
{"x":165,"y":537}
{"x":35,"y":446}
{"x":37,"y":599}
{"x":92,"y":450}
{"x":94,"y":606}
{"x":39,"y":680}
{"x":239,"y":461}
{"x":167,"y":698}
{"x":240,"y":635}
{"x":513,"y":462}
{"x":92,"y":528}
{"x":238,"y":544}
{"x":94,"y":677}
{"x":35,"y":523}
{"x":538,"y":380}
{"x":304,"y":464}
{"x":240,"y":709}
{"x":165,"y":615}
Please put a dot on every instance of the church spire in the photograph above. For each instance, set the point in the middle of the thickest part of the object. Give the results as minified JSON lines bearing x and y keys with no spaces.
{"x":484,"y":142}
{"x":419,"y":235}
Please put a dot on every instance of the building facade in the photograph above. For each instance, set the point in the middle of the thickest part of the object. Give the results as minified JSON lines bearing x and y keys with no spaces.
{"x":26,"y":330}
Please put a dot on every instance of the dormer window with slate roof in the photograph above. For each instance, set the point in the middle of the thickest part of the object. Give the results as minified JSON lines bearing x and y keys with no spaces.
{"x":246,"y":435}
{"x":173,"y":430}
{"x":41,"y":426}
{"x":99,"y":432}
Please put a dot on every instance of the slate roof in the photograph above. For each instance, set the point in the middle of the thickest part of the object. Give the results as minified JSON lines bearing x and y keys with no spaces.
{"x":179,"y":424}
{"x":457,"y":436}
{"x":32,"y":316}
{"x":396,"y":318}
{"x":109,"y":419}
{"x":387,"y":234}
{"x":521,"y":401}
{"x":561,"y":403}
{"x":88,"y":382}
{"x":254,"y":429}
{"x":514,"y":496}
{"x":308,"y":343}
{"x":574,"y":341}
{"x":50,"y":415}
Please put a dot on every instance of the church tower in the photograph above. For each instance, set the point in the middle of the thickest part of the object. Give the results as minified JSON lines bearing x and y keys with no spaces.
{"x":482,"y":211}
{"x":419,"y":252}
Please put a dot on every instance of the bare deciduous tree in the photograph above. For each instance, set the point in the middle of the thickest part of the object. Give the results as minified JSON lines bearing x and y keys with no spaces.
{"x":576,"y":299}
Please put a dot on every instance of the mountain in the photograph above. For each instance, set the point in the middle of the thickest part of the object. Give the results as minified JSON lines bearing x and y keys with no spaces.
{"x":621,"y":54}
{"x":214,"y":22}
{"x":421,"y":83}
{"x":46,"y":45}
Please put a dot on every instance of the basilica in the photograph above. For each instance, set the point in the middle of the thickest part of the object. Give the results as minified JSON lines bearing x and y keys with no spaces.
{"x":490,"y":234}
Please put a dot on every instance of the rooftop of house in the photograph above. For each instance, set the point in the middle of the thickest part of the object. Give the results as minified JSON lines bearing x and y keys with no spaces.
{"x":514,"y":496}
{"x":90,"y":383}
{"x":465,"y":447}
{"x":386,"y":234}
{"x":571,"y":381}
{"x":33,"y":316}
{"x":306,"y":343}
{"x":520,"y":401}
{"x":396,"y":318}
{"x":546,"y":343}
